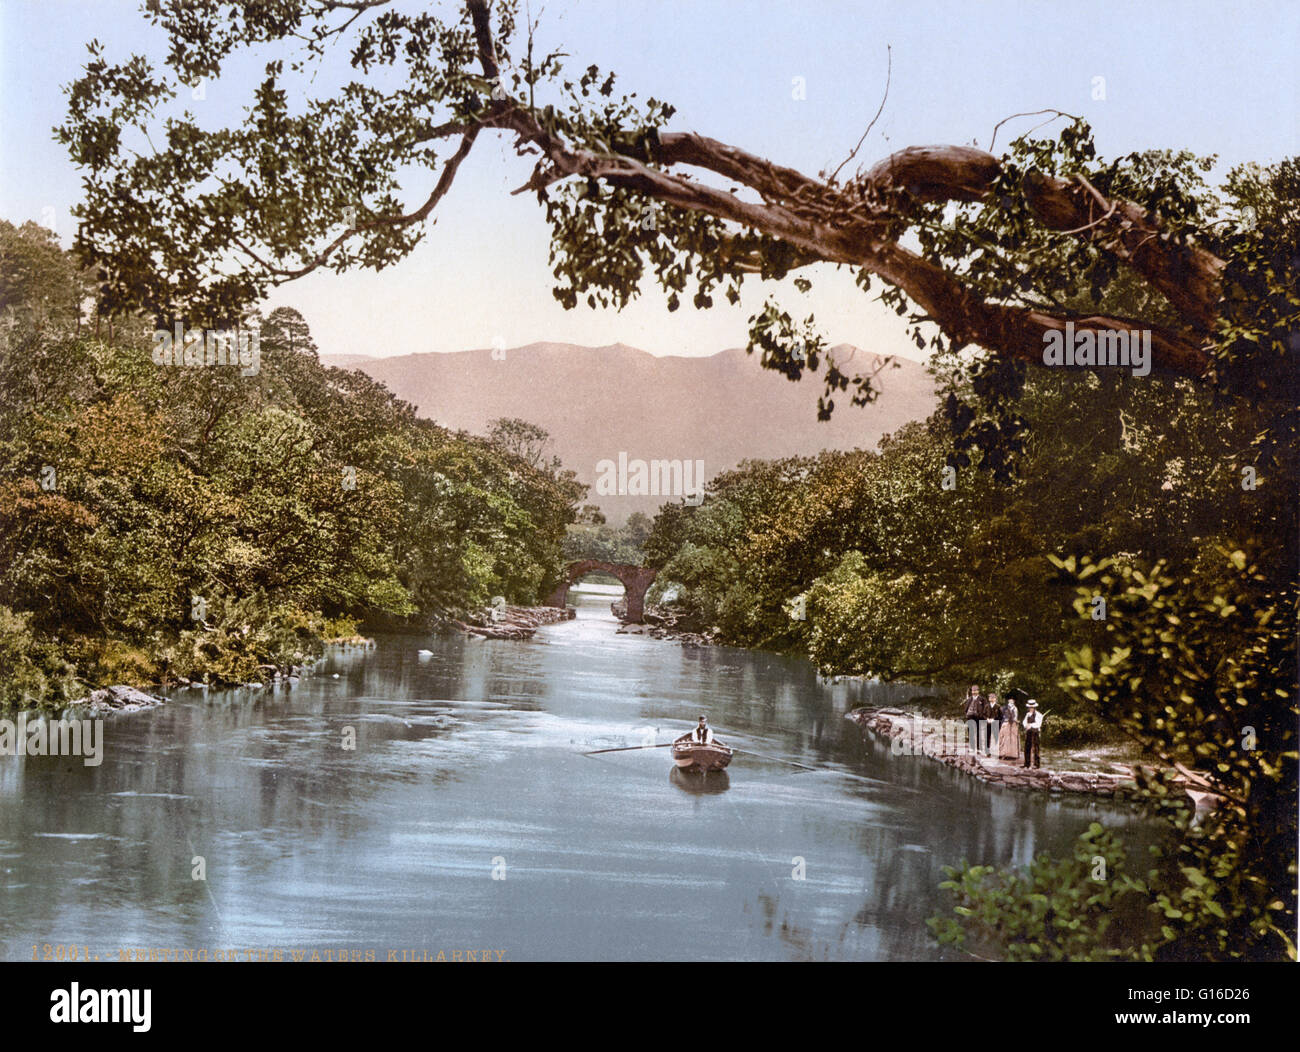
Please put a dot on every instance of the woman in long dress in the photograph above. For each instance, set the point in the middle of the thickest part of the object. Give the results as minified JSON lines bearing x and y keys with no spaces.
{"x":1009,"y":735}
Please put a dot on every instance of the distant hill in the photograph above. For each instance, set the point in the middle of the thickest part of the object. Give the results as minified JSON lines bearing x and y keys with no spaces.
{"x":598,"y":402}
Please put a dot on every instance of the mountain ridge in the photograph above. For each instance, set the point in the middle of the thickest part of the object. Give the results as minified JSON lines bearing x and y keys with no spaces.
{"x":598,"y":402}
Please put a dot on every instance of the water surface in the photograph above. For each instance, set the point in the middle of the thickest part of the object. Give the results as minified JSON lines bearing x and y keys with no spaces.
{"x":469,"y":766}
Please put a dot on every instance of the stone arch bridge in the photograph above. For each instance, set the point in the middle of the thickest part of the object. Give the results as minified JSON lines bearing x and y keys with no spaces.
{"x":635,"y":580}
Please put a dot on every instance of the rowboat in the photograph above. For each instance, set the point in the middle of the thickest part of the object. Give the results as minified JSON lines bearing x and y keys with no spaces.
{"x":691,"y":755}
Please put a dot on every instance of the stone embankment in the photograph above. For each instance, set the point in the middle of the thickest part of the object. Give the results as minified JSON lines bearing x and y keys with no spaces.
{"x":947,"y":741}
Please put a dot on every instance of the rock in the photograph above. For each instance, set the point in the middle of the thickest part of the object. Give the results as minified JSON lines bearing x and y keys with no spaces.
{"x":119,"y":698}
{"x":516,"y":622}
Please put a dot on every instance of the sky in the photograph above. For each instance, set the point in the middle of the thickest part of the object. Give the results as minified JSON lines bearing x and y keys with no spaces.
{"x":1212,"y":77}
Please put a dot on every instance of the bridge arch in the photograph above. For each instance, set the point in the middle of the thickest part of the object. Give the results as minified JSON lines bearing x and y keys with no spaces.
{"x":635,"y":580}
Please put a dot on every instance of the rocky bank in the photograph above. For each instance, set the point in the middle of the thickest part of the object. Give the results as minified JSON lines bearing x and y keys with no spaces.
{"x":659,"y":623}
{"x":946,"y":741}
{"x":516,"y":622}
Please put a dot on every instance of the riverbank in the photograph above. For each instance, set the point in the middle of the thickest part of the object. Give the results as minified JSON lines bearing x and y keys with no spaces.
{"x":1088,"y":771}
{"x":134,"y":695}
{"x":659,"y":623}
{"x":515,"y":622}
{"x":946,"y":741}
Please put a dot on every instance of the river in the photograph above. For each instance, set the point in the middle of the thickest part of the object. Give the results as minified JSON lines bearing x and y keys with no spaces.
{"x":468,"y":818}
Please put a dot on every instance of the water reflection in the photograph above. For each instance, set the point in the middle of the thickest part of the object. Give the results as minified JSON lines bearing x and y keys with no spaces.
{"x":699,"y":781}
{"x":442,"y":800}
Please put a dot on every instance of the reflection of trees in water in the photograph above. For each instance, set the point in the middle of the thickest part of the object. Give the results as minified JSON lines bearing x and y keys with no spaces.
{"x":773,"y":690}
{"x":900,"y":896}
{"x":151,"y":806}
{"x":858,"y":693}
{"x":888,"y":922}
{"x":774,"y":920}
{"x":991,"y":825}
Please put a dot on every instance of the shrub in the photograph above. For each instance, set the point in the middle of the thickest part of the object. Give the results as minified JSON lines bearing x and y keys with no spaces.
{"x":32,"y":672}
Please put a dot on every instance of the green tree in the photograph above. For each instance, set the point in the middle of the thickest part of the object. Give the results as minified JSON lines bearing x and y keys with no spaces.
{"x":37,"y":278}
{"x":159,"y":520}
{"x":520,"y":439}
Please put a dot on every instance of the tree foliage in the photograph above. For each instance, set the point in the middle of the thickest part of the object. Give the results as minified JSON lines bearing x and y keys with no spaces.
{"x":161,"y":520}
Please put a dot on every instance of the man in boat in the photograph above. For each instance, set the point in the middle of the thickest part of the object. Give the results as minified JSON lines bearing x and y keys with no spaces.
{"x":699,"y":750}
{"x":703,"y":733}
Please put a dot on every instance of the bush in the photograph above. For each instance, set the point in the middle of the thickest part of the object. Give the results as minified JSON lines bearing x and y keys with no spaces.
{"x":111,"y":661}
{"x":1078,"y":729}
{"x":32,"y":672}
{"x":242,"y":637}
{"x":337,"y":629}
{"x":1084,"y":908}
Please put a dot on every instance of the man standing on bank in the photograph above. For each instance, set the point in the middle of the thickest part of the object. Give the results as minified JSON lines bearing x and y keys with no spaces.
{"x":1033,"y":729}
{"x":992,"y":722}
{"x":976,"y":705}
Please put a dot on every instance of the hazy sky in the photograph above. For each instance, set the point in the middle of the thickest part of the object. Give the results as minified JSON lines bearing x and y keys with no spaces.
{"x":1210,"y":76}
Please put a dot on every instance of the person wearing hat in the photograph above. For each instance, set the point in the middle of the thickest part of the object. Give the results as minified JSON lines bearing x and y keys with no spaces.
{"x":992,"y":722}
{"x":1033,"y":728}
{"x":703,"y":733}
{"x":975,"y":706}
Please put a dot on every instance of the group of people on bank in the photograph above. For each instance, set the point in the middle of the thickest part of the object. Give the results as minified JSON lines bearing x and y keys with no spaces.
{"x":988,"y":718}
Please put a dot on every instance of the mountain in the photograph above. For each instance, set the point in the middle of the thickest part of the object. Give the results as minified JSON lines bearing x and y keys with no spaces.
{"x":598,"y":402}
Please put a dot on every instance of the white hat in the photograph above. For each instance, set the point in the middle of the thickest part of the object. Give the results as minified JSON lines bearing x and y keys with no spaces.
{"x":1031,"y":704}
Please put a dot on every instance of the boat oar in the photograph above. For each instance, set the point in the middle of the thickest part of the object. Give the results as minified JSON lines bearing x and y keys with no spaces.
{"x":778,"y":759}
{"x":664,"y":745}
{"x":629,"y":748}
